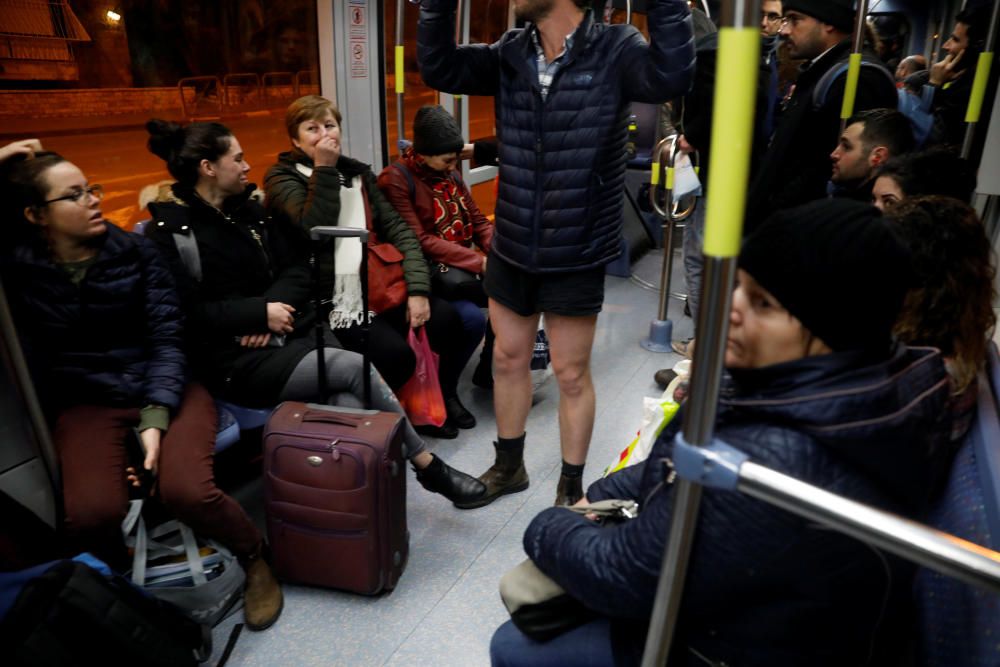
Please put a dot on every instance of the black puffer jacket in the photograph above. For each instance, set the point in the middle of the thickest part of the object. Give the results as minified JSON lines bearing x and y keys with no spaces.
{"x":765,"y":587}
{"x":562,"y":159}
{"x":113,"y":340}
{"x":247,"y":261}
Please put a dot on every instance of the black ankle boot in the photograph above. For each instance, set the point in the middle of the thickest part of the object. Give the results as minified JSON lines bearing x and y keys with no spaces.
{"x":455,"y":485}
{"x":457,"y":414}
{"x":482,"y":377}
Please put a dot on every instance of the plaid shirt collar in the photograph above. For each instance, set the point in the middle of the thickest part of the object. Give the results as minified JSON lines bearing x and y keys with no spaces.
{"x":547,"y":70}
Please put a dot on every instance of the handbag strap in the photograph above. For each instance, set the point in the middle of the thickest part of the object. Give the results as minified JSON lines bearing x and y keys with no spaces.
{"x":145,"y":544}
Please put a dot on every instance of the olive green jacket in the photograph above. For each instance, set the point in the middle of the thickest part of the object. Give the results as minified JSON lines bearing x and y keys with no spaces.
{"x":306,"y":196}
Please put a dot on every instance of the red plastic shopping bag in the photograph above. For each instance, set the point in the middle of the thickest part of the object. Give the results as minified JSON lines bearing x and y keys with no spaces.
{"x":421,"y":395}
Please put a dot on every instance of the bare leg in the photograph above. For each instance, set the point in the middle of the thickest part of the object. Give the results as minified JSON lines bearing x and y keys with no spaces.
{"x":515,"y":338}
{"x":570,"y":342}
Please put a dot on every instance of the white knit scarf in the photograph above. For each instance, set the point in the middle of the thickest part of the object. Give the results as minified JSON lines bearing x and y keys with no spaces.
{"x":348,"y":305}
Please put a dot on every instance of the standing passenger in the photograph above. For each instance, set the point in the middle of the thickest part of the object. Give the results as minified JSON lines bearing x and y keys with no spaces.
{"x":563,"y":87}
{"x":796,"y":166}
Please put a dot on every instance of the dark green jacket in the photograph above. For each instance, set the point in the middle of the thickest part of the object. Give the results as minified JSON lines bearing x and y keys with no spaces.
{"x":308,"y":201}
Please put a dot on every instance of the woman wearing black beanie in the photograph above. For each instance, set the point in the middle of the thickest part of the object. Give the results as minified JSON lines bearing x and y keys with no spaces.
{"x":818,"y":390}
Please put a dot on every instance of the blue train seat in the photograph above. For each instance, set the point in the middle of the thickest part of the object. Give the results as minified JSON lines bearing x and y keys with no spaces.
{"x":960,"y":623}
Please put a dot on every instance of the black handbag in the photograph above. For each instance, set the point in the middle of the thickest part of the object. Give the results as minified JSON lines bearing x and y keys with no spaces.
{"x":454,"y":284}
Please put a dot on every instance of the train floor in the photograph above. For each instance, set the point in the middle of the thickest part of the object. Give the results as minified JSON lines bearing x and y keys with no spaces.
{"x":446,"y":606}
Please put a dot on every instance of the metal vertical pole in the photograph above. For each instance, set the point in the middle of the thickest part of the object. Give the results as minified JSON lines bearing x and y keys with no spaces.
{"x":732,"y":135}
{"x":460,"y":12}
{"x":854,"y":64}
{"x":980,"y":82}
{"x":661,"y":330}
{"x":400,"y":74}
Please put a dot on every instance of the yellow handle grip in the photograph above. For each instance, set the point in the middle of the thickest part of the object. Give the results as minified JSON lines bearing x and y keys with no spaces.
{"x":400,"y":73}
{"x":979,"y":87}
{"x":851,"y":89}
{"x":732,"y":136}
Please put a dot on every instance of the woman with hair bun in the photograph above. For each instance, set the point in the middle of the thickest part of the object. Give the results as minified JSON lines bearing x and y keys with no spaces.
{"x":100,"y":322}
{"x":248,"y":303}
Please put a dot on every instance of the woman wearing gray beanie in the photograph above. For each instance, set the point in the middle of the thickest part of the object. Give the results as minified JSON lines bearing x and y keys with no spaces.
{"x":818,"y":390}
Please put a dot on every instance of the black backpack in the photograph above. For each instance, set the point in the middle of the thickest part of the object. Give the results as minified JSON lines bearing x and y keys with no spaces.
{"x":74,"y":615}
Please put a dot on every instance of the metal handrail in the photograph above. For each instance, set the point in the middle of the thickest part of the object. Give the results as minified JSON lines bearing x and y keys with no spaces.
{"x":230,"y":81}
{"x":854,"y":67}
{"x":980,"y":82}
{"x":187,"y":82}
{"x":400,"y":69}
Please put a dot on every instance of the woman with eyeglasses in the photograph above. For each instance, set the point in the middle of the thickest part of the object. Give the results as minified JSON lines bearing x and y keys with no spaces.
{"x":100,"y":323}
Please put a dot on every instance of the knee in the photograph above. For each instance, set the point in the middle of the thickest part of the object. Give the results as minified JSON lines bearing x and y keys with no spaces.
{"x":573,"y":378}
{"x":186,"y":499}
{"x":507,"y":646}
{"x":510,"y":360}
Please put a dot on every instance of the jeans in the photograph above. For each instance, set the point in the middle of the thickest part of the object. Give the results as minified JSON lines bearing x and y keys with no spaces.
{"x":694,"y":259}
{"x":90,"y":440}
{"x":586,"y":646}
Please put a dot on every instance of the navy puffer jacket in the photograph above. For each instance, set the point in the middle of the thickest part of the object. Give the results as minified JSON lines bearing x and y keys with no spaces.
{"x":562,"y":159}
{"x":113,"y":340}
{"x":765,"y":587}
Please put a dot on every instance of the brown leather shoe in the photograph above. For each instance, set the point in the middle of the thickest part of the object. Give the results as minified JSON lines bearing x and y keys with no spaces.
{"x":569,"y":491}
{"x":506,"y":475}
{"x":262,"y":598}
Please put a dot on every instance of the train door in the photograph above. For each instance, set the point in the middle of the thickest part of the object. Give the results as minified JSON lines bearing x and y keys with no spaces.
{"x":480,"y":22}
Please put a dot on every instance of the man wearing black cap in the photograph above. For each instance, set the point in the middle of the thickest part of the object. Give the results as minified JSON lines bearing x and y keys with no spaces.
{"x":563,"y":86}
{"x":796,"y":166}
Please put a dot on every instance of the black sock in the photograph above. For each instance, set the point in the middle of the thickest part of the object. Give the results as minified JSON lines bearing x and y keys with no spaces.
{"x":571,"y":470}
{"x":512,"y":445}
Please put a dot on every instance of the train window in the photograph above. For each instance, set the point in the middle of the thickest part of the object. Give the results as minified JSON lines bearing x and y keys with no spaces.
{"x":416,"y":94}
{"x":84,"y":78}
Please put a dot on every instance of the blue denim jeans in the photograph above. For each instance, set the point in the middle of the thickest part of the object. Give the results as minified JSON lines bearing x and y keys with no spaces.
{"x":473,"y":325}
{"x":586,"y":646}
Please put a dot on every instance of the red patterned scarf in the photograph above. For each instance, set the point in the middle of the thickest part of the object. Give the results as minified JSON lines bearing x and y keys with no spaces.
{"x":451,"y":212}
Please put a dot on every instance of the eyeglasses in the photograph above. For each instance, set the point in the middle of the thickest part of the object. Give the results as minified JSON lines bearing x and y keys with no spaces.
{"x":771,"y":17}
{"x":80,"y":195}
{"x":792,"y":19}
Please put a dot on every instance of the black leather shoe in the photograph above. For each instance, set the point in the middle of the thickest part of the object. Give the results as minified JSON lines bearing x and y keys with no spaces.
{"x":664,"y":377}
{"x":457,"y":414}
{"x":446,"y":431}
{"x":455,"y":485}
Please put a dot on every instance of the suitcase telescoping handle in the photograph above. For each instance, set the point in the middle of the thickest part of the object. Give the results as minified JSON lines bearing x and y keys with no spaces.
{"x":317,"y":234}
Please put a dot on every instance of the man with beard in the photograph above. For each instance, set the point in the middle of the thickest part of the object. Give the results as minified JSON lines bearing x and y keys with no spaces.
{"x":868,"y":141}
{"x":563,"y":86}
{"x":796,"y":166}
{"x":951,"y":78}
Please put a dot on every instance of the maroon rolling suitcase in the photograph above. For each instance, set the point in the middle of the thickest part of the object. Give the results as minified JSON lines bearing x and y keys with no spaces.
{"x":335,"y":486}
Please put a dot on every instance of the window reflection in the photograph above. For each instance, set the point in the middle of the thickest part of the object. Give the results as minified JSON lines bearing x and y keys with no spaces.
{"x":84,"y":81}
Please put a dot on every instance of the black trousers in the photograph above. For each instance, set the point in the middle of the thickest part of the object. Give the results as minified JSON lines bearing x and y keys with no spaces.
{"x":391,"y":354}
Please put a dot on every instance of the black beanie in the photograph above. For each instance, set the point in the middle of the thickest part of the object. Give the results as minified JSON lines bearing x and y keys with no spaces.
{"x":435,"y":132}
{"x":838,"y":13}
{"x":836,"y":266}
